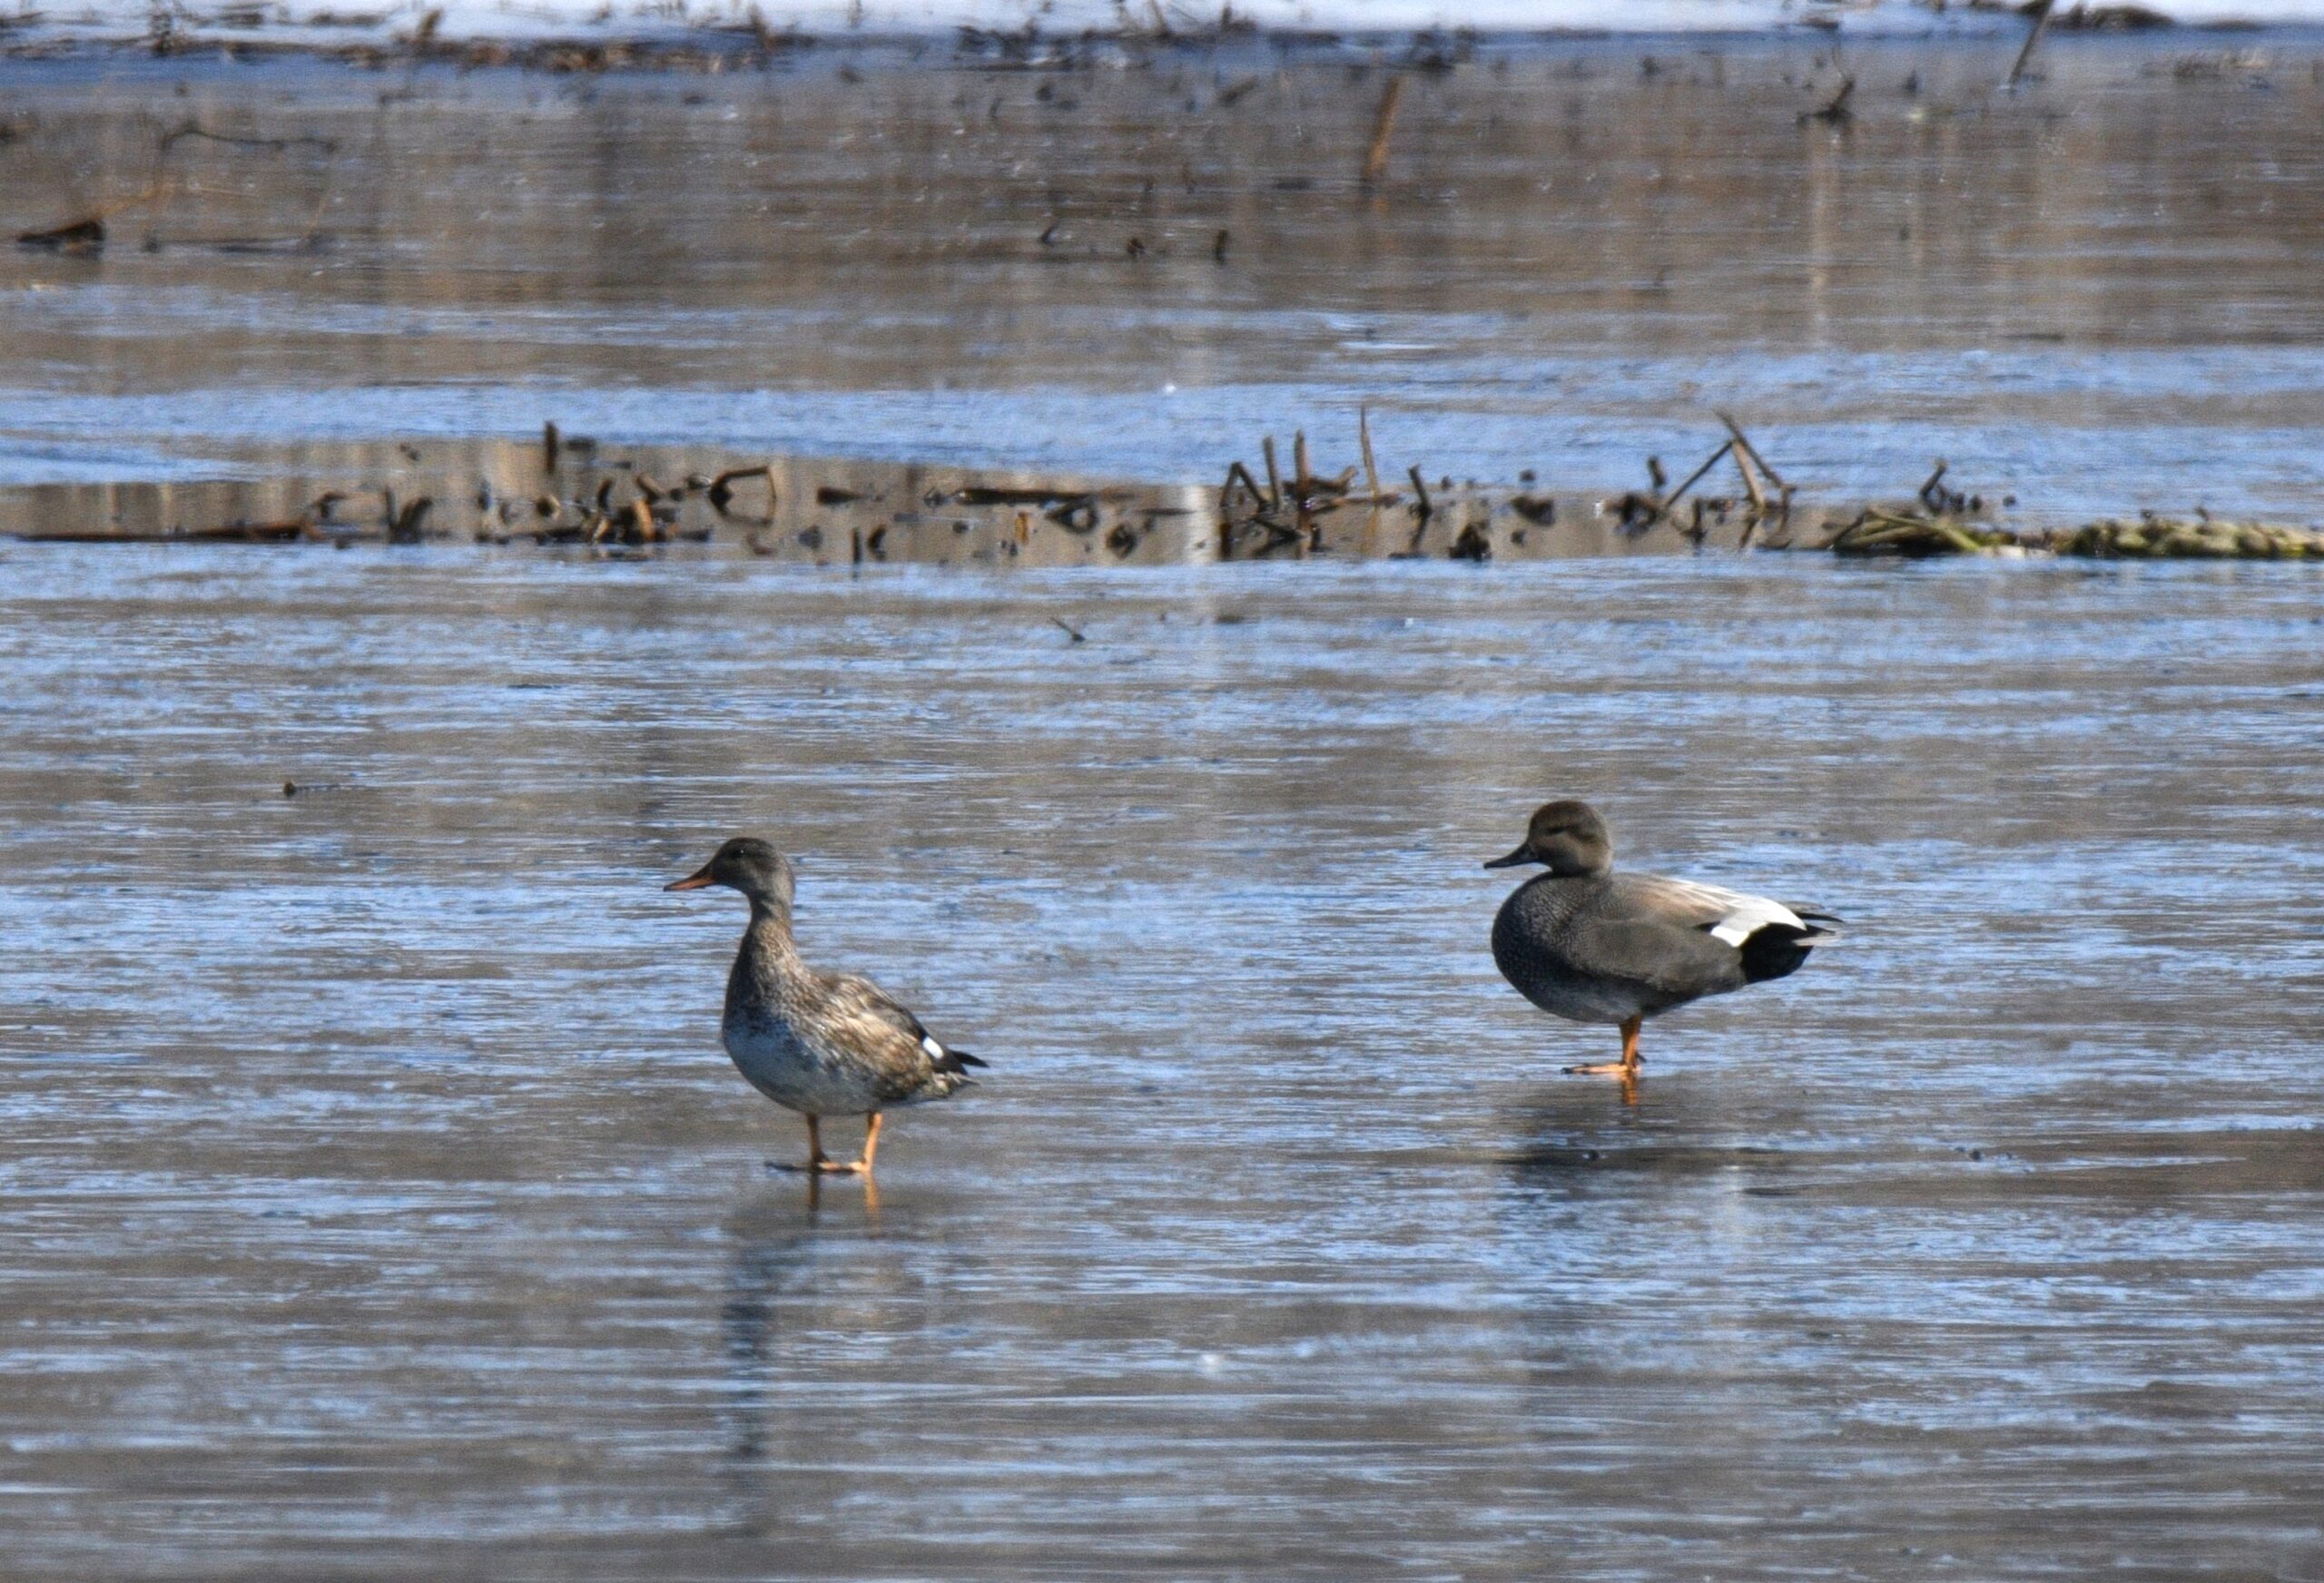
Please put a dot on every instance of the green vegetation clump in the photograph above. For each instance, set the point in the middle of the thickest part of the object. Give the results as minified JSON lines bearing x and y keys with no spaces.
{"x":2159,"y":538}
{"x":1912,"y":533}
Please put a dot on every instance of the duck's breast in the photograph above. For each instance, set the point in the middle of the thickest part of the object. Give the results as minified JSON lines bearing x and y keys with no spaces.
{"x":792,"y":1071}
{"x":1535,"y":948}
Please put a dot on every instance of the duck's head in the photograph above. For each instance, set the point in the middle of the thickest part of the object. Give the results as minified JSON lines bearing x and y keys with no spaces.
{"x":749,"y":865}
{"x":1566,"y":837}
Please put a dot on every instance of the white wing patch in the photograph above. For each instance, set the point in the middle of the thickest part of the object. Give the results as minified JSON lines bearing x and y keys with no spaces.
{"x":935,"y":1051}
{"x":1740,"y":917}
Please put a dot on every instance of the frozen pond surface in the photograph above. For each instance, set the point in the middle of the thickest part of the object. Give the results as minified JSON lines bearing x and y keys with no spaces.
{"x":378,"y":1197}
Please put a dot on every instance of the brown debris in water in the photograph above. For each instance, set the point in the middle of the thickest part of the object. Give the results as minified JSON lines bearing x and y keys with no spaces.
{"x":82,"y":236}
{"x":1914,"y":535}
{"x":658,"y":497}
{"x":1383,"y":127}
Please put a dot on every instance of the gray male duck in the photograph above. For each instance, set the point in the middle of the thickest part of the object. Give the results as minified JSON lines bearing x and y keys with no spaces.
{"x":1590,"y":945}
{"x":821,"y":1044}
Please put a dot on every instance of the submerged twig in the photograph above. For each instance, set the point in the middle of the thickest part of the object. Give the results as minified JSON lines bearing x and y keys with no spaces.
{"x":81,"y":236}
{"x":1835,"y":113}
{"x":721,"y":493}
{"x":2040,"y":12}
{"x":1384,"y":126}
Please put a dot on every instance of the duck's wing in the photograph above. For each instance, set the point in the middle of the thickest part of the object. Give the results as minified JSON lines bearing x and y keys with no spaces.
{"x":857,"y":1000}
{"x":1672,"y":940}
{"x":1654,"y":938}
{"x":1731,"y":916}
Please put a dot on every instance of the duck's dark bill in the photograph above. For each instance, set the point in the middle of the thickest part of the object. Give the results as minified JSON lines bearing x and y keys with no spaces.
{"x":692,"y":882}
{"x":1522,"y":855}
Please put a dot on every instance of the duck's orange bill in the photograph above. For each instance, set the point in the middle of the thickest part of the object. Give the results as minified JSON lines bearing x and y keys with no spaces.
{"x":696,"y":881}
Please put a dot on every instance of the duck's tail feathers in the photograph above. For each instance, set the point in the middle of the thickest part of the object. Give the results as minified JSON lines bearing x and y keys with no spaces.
{"x":948,"y":1060}
{"x":1776,"y":950}
{"x":938,"y":1085}
{"x":1821,"y":925}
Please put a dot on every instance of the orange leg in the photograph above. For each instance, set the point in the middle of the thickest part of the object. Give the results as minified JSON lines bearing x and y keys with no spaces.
{"x":816,"y":1159}
{"x":856,"y":1168}
{"x":821,"y":1164}
{"x":1627,"y":1067}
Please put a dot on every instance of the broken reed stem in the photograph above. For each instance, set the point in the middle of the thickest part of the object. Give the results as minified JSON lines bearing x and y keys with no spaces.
{"x":1422,"y":508}
{"x":1384,"y":126}
{"x":277,"y":144}
{"x":1696,"y":476}
{"x":1237,"y":474}
{"x":1750,"y":450}
{"x":1301,"y":483}
{"x":1309,"y":533}
{"x":1364,"y":435}
{"x":1741,"y":453}
{"x":2032,"y":37}
{"x":1274,"y":478}
{"x":1930,"y":495}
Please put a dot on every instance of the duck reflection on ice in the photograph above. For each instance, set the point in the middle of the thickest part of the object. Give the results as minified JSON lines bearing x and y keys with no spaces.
{"x":1681,"y":1134}
{"x":778,"y":1242}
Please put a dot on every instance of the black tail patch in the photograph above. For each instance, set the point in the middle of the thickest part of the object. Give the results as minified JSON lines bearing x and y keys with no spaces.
{"x":1775,"y":950}
{"x":958,"y":1061}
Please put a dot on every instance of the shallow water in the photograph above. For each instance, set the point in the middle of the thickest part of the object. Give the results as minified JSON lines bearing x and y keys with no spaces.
{"x":378,"y":1198}
{"x":2096,"y":294}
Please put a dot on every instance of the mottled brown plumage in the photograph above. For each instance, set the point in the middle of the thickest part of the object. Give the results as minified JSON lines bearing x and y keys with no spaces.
{"x":821,"y":1044}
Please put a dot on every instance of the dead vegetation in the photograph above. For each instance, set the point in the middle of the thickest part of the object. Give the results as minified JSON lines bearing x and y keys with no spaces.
{"x":571,"y":491}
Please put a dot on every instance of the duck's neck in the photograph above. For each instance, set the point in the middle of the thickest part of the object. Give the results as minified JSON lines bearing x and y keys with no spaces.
{"x":767,"y":945}
{"x":767,"y":964}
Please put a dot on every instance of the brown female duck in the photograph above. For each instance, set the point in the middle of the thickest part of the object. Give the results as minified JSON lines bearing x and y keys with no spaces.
{"x":821,"y":1044}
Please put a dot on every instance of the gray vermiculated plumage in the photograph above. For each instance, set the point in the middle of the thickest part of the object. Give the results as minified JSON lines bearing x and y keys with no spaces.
{"x":1590,"y":950}
{"x":1590,"y":945}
